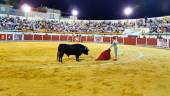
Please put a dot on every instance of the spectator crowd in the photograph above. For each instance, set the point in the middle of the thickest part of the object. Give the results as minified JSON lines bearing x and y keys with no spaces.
{"x":158,"y":25}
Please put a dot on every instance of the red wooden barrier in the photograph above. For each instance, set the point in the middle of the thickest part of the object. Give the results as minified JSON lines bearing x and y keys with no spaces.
{"x":70,"y":38}
{"x":90,"y":38}
{"x":130,"y":40}
{"x":55,"y":37}
{"x":107,"y":39}
{"x":63,"y":38}
{"x":9,"y":37}
{"x":152,"y":41}
{"x":46,"y":37}
{"x":2,"y":36}
{"x":127,"y":40}
{"x":38,"y":37}
{"x":83,"y":39}
{"x":28,"y":37}
{"x":141,"y":41}
{"x":76,"y":38}
{"x":120,"y":39}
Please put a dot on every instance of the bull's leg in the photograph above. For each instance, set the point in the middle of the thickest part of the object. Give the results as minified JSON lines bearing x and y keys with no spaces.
{"x":58,"y":53}
{"x":77,"y":58}
{"x":61,"y":58}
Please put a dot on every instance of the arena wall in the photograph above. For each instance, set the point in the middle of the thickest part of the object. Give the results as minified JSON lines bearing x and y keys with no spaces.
{"x":90,"y":38}
{"x":130,"y":41}
{"x":69,"y":38}
{"x":38,"y":37}
{"x":106,"y":39}
{"x":141,"y":41}
{"x":83,"y":38}
{"x":63,"y":38}
{"x":47,"y":37}
{"x":2,"y":36}
{"x":28,"y":37}
{"x":9,"y":36}
{"x":152,"y":41}
{"x":120,"y":40}
{"x":55,"y":38}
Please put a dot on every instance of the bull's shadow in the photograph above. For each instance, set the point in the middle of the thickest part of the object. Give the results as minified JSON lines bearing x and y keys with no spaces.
{"x":71,"y":59}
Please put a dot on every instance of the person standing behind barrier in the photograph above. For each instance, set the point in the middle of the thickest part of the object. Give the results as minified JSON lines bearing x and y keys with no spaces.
{"x":114,"y":44}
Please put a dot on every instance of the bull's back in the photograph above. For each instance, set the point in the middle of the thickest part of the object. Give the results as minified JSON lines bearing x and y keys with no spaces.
{"x":62,"y":46}
{"x":70,"y":49}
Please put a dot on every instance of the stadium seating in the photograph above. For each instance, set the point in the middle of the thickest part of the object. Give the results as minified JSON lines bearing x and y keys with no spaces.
{"x":155,"y":25}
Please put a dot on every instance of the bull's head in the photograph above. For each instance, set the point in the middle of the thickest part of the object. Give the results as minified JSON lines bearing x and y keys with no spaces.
{"x":86,"y":50}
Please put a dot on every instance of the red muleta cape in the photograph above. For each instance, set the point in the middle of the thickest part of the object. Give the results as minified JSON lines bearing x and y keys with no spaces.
{"x":105,"y":55}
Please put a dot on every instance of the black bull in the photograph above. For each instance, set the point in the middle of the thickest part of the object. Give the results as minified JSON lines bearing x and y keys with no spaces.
{"x":75,"y":49}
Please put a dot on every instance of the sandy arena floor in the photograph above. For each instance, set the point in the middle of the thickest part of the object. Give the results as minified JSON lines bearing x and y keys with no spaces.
{"x":31,"y":69}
